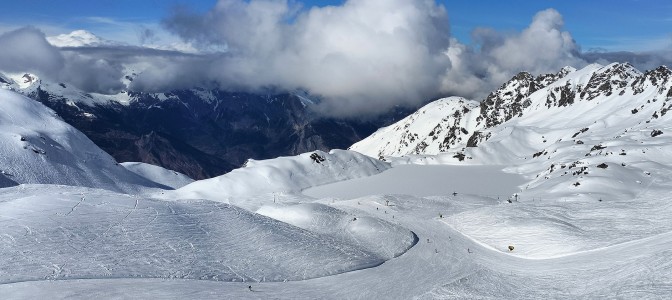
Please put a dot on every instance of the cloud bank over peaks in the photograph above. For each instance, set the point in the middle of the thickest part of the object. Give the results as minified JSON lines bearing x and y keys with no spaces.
{"x":542,"y":47}
{"x":361,"y":57}
{"x":366,"y":56}
{"x":27,"y":50}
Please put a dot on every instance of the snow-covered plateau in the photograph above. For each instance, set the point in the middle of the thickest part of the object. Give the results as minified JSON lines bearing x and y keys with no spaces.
{"x":556,"y":186}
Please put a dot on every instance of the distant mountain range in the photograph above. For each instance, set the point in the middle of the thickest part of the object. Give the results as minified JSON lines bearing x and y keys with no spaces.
{"x":201,"y":133}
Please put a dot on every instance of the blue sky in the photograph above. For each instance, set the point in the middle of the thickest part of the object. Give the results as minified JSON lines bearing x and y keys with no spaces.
{"x":632,"y":25}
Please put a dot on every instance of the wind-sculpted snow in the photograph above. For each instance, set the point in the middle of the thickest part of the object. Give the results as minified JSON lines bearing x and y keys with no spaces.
{"x":59,"y":232}
{"x":36,"y":147}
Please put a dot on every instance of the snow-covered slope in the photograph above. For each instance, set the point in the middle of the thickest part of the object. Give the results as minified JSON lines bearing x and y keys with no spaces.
{"x":33,"y":86}
{"x":37,"y":147}
{"x":59,"y":232}
{"x":283,"y":174}
{"x":158,"y":174}
{"x":434,"y":128}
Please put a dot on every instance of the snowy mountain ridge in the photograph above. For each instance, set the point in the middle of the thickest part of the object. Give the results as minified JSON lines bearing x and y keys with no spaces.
{"x":568,"y":93}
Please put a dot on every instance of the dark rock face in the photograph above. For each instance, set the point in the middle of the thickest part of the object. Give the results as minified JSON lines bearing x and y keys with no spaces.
{"x":477,"y":138}
{"x":561,"y":96}
{"x":509,"y":100}
{"x":454,"y":133}
{"x":607,"y":82}
{"x":204,"y":138}
{"x":659,"y":77}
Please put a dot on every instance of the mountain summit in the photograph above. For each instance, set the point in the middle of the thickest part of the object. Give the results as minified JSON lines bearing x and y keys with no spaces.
{"x":80,"y":38}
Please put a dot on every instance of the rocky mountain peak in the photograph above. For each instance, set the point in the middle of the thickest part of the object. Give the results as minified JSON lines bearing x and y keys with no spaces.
{"x":546,"y":79}
{"x":509,"y":100}
{"x":565,"y":70}
{"x":609,"y":79}
{"x":79,"y":38}
{"x":659,"y":77}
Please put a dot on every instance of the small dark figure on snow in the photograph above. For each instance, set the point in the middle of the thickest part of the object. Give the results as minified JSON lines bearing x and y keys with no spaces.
{"x":249,"y":287}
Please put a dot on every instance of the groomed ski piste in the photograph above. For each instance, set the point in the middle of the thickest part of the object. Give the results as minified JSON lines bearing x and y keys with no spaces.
{"x":505,"y":222}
